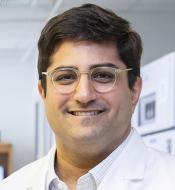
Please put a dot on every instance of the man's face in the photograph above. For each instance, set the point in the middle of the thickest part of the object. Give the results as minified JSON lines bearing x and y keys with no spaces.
{"x":85,"y":116}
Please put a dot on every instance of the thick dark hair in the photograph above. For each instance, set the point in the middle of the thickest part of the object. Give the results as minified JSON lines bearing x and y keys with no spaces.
{"x":93,"y":23}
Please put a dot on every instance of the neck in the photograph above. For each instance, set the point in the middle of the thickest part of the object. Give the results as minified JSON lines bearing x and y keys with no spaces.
{"x":72,"y":162}
{"x":77,"y":163}
{"x":70,"y":166}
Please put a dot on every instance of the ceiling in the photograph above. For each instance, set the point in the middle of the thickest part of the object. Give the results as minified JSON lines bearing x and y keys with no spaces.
{"x":22,"y":20}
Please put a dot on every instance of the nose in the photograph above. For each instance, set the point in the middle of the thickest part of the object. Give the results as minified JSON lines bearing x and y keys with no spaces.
{"x":84,"y":92}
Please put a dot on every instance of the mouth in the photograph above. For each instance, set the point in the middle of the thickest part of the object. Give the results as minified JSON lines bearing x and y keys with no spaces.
{"x":86,"y":112}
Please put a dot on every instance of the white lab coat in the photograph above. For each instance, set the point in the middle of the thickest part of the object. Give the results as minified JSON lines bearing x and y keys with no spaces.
{"x":137,"y":168}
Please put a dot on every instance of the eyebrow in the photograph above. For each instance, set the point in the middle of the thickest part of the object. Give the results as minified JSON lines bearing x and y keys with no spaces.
{"x":103,"y":65}
{"x":66,"y":67}
{"x":91,"y":67}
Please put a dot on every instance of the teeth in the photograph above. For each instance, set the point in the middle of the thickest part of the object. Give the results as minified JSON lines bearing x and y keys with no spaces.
{"x":88,"y":113}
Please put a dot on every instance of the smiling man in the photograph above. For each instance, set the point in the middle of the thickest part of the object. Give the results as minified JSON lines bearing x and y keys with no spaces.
{"x":89,"y":80}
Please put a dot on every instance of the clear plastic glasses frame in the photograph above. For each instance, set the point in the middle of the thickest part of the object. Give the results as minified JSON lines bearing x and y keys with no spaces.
{"x":103,"y":78}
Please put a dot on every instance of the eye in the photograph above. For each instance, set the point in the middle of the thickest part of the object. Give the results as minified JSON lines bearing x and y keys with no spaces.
{"x":64,"y":77}
{"x":103,"y":76}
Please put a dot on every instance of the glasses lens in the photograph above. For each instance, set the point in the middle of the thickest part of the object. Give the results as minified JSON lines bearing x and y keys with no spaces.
{"x":65,"y":80}
{"x":103,"y":78}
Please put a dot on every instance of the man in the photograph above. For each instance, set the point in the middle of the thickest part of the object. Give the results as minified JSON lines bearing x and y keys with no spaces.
{"x":89,"y":80}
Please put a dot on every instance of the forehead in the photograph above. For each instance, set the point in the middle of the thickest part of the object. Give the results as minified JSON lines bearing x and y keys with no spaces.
{"x":85,"y":54}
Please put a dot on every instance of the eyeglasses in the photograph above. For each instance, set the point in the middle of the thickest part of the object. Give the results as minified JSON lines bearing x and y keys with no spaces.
{"x":102,"y":78}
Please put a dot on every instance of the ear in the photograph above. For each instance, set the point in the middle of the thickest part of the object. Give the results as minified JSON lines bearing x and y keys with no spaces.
{"x":41,"y":90}
{"x":135,"y":92}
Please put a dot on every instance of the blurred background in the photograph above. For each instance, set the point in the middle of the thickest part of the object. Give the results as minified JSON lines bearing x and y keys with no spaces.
{"x":24,"y":132}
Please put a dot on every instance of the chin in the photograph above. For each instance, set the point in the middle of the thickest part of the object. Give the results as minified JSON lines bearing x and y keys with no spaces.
{"x":87,"y":133}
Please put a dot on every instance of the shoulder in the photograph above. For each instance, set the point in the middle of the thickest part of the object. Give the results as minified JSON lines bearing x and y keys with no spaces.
{"x":152,"y":157}
{"x":154,"y":162}
{"x":21,"y":177}
{"x":31,"y":175}
{"x":161,"y":160}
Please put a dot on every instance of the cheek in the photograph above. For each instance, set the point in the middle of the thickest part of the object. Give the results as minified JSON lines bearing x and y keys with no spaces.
{"x":112,"y":100}
{"x":55,"y":103}
{"x":120,"y":102}
{"x":53,"y":97}
{"x":55,"y":106}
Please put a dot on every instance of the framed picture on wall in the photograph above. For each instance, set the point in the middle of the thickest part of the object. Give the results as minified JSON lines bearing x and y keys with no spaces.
{"x":147,"y":109}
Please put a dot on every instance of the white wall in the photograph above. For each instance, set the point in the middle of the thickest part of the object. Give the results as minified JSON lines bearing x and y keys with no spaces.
{"x":17,"y":110}
{"x":157,"y":30}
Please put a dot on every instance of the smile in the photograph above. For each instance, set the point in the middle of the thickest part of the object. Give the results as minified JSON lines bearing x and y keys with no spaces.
{"x":86,"y":113}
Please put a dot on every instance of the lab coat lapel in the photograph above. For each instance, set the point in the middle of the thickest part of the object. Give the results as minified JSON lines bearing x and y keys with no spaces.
{"x":37,"y":183}
{"x":129,"y":168}
{"x":38,"y":180}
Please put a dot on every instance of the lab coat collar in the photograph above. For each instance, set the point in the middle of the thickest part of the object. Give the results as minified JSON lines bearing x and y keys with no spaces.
{"x":134,"y":159}
{"x":40,"y":182}
{"x":131,"y":164}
